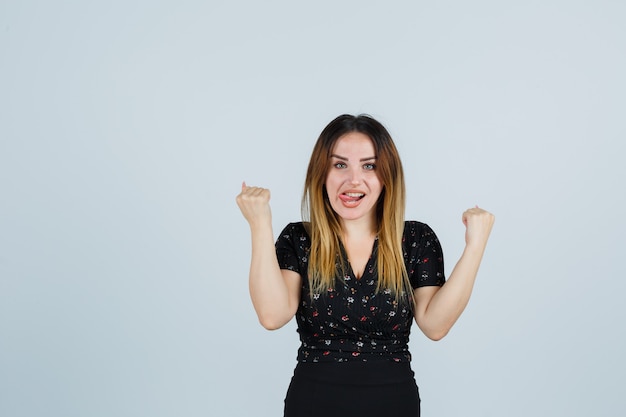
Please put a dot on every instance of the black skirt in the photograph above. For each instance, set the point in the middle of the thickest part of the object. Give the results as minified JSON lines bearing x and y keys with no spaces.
{"x":363,"y":389}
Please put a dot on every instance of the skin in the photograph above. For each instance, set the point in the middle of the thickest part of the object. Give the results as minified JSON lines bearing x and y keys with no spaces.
{"x":275,"y":293}
{"x":353,"y":172}
{"x":438,"y":308}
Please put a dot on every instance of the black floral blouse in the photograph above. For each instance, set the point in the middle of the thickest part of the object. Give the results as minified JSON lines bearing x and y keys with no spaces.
{"x":352,"y":321}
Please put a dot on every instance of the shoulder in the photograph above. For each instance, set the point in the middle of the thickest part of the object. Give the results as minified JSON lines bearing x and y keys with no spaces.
{"x":294,"y":234}
{"x":418,"y":235}
{"x":294,"y":230}
{"x":292,"y":247}
{"x":416,"y":229}
{"x":423,"y":255}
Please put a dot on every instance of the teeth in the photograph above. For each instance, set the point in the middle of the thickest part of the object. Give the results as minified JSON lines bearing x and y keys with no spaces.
{"x":354,"y":194}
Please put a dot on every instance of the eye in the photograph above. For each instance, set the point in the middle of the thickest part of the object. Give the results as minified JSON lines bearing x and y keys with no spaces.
{"x":369,"y":167}
{"x":339,"y":165}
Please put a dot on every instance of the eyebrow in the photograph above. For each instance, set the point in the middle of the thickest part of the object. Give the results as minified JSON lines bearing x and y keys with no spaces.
{"x":343,"y":158}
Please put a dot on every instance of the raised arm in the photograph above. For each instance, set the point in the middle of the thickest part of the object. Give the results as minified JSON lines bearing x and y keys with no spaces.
{"x":438,"y":308}
{"x":275,"y":293}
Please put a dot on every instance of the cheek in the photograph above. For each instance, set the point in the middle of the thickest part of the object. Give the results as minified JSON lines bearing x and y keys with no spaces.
{"x":332,"y":181}
{"x":375,"y":183}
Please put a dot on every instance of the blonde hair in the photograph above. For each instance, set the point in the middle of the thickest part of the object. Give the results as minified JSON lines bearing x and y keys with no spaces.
{"x":323,"y":225}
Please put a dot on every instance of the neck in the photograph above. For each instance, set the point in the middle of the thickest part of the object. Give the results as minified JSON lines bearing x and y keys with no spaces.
{"x":358,"y":229}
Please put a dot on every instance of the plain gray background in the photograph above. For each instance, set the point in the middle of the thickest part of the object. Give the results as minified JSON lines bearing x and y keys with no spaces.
{"x":127,"y":127}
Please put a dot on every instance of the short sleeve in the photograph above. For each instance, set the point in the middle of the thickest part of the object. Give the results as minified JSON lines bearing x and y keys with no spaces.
{"x":423,"y":255}
{"x":292,"y":248}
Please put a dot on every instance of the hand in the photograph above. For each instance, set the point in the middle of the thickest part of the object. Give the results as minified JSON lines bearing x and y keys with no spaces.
{"x":478,"y":224}
{"x":254,"y":204}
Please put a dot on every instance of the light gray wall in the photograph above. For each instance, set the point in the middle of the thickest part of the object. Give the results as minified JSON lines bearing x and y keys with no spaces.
{"x":126,"y":128}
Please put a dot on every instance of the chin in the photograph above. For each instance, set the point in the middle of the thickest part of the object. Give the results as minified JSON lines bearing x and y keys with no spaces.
{"x":352,"y":215}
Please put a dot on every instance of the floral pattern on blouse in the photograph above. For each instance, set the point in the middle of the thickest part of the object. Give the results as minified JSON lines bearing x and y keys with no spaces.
{"x":352,"y":321}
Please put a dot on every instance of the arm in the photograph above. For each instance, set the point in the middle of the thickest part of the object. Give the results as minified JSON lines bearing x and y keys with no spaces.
{"x":275,"y":293}
{"x":438,"y":308}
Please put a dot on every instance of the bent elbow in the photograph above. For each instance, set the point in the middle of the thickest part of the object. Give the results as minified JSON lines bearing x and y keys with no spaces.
{"x":436,"y":335}
{"x":269,"y":323}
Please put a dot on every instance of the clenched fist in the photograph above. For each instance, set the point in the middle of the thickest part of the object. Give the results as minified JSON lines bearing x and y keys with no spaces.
{"x":478,"y":224}
{"x":254,"y":203}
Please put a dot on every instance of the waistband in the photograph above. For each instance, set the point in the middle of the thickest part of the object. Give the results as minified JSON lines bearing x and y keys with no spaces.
{"x":382,"y":372}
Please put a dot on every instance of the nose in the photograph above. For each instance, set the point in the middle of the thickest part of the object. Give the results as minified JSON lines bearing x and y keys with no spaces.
{"x":355,"y":176}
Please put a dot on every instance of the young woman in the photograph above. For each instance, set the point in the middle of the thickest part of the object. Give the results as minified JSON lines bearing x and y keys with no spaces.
{"x":355,"y":274}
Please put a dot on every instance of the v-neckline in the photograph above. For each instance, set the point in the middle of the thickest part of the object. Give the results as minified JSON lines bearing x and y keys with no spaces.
{"x":367,"y":267}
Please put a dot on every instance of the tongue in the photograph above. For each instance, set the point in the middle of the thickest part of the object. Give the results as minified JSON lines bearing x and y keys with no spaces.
{"x":349,"y":199}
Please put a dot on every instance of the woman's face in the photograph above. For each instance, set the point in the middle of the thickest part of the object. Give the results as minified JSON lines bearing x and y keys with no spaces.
{"x":352,"y":183}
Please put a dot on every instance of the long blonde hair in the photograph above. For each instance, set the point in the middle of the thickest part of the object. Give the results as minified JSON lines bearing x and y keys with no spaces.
{"x":323,"y":225}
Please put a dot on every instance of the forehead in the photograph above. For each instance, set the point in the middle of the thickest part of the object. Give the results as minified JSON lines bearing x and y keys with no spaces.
{"x":354,"y":143}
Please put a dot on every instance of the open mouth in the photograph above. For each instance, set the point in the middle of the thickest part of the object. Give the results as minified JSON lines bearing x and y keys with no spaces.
{"x":351,"y":197}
